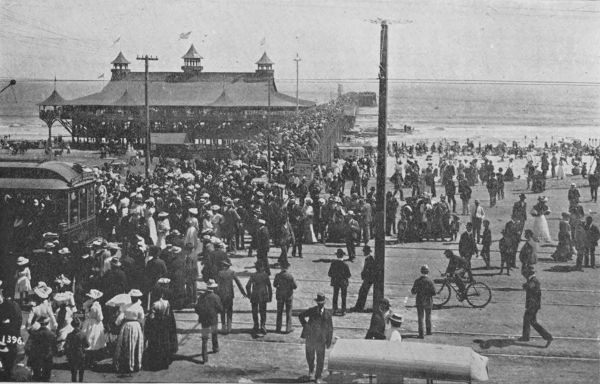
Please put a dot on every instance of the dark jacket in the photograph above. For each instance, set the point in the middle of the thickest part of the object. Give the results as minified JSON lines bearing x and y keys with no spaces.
{"x":11,"y":318}
{"x":467,"y":245}
{"x":40,"y":347}
{"x":533,"y":294}
{"x":369,"y":271}
{"x":225,"y":279}
{"x":155,"y":269}
{"x":259,"y":288}
{"x":114,"y":282}
{"x":425,"y":290}
{"x":208,"y":307}
{"x":262,"y":239}
{"x":285,"y":284}
{"x":339,"y":273}
{"x":317,"y":327}
{"x":75,"y":347}
{"x":456,"y":262}
{"x":377,"y":327}
{"x":519,"y":211}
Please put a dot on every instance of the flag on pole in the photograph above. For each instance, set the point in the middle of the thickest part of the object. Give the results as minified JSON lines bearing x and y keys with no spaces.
{"x":263,"y":41}
{"x":101,"y":76}
{"x":185,"y":35}
{"x":117,"y":40}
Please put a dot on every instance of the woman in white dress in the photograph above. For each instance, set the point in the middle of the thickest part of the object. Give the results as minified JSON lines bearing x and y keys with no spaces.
{"x":560,"y":170}
{"x":23,"y":284}
{"x":130,"y":344}
{"x":163,"y":228}
{"x":92,"y":327}
{"x":149,"y":216}
{"x":540,"y":224}
{"x":43,"y":308}
{"x":309,"y":213}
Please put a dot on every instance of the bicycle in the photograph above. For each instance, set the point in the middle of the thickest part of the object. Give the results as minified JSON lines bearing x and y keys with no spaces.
{"x":478,"y":294}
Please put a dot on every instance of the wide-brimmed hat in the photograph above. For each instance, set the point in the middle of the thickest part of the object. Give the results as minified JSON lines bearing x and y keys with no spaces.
{"x":42,"y":290}
{"x":22,"y":260}
{"x":163,"y":280}
{"x":62,"y":279}
{"x":396,"y":320}
{"x":211,"y":284}
{"x":115,"y":262}
{"x":49,"y":245}
{"x":176,"y":249}
{"x":113,"y":246}
{"x":64,"y":251}
{"x":135,"y":293}
{"x":43,"y":320}
{"x":425,"y":269}
{"x":340,"y":252}
{"x":94,"y":294}
{"x":193,"y":211}
{"x":163,"y":214}
{"x":522,"y":196}
{"x":320,"y":298}
{"x":215,"y":207}
{"x":366,"y":249}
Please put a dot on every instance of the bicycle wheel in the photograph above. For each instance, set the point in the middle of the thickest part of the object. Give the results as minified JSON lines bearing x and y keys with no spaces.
{"x":442,"y":294}
{"x":478,"y":295}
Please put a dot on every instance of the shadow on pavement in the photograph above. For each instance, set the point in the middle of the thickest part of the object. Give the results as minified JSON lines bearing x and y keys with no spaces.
{"x":507,"y":289}
{"x":190,"y":358}
{"x":562,"y":268}
{"x":502,"y":343}
{"x":322,"y":261}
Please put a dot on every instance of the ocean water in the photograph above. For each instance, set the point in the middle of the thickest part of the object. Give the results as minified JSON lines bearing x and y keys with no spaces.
{"x":480,"y":112}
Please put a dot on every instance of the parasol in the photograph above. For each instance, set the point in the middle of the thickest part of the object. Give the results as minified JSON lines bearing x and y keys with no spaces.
{"x":119,"y":300}
{"x":188,"y":176}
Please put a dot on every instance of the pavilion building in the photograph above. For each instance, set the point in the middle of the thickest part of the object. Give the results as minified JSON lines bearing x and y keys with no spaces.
{"x":192,"y":105}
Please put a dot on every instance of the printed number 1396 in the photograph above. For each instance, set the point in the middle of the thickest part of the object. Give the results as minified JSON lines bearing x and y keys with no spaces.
{"x":12,"y":340}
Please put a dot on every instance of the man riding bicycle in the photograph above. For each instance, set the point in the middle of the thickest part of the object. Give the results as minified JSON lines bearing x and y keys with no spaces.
{"x":457,"y":268}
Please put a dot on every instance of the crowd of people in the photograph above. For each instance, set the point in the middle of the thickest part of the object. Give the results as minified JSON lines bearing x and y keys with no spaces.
{"x":116,"y":296}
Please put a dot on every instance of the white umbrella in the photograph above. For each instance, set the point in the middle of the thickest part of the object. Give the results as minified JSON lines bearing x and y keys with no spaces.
{"x":119,"y":300}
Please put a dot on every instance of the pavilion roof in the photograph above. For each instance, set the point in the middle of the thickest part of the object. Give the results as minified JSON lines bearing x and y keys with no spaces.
{"x":120,"y":59}
{"x":192,"y":54}
{"x":204,"y":89}
{"x":264,"y":60}
{"x":54,"y":99}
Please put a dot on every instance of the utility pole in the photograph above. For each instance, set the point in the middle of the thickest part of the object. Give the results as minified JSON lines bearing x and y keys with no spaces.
{"x":381,"y":171}
{"x":147,"y":58}
{"x":297,"y":60}
{"x":269,"y":126}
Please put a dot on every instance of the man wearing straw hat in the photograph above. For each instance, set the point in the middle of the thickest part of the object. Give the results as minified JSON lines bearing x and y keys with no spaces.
{"x":317,"y":330}
{"x":225,"y":279}
{"x":284,"y":294}
{"x":425,"y":290}
{"x":208,"y":308}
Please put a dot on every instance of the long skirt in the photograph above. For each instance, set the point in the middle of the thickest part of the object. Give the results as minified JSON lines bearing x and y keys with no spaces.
{"x":129,"y":348}
{"x":540,"y":229}
{"x":94,"y":332}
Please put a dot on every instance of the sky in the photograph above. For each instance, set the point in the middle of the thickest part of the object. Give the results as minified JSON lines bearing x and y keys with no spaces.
{"x":541,"y":40}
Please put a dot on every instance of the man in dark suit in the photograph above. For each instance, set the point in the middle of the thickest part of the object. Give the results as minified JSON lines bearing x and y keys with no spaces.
{"x":519,"y":213}
{"x":425,"y":290}
{"x":285,"y":284}
{"x":260,"y":292}
{"x":317,"y":330}
{"x":114,"y":280}
{"x":225,"y":279}
{"x":155,"y":269}
{"x":368,"y":276}
{"x":339,"y":274}
{"x":208,"y":308}
{"x":512,"y":232}
{"x":262,"y":245}
{"x":40,"y":349}
{"x":467,"y":245}
{"x":533,"y":303}
{"x":593,"y":235}
{"x":11,"y":319}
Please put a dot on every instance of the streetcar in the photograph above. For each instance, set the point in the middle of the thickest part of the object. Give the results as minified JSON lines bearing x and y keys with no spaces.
{"x":66,"y":189}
